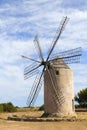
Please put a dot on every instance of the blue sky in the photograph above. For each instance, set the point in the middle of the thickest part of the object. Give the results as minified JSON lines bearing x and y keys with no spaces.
{"x":20,"y":21}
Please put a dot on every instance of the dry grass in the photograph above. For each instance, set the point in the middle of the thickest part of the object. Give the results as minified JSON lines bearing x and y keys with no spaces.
{"x":11,"y":125}
{"x":14,"y":125}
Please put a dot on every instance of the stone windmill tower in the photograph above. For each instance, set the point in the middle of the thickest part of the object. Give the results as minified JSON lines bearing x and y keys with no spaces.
{"x":58,"y":77}
{"x":60,"y":100}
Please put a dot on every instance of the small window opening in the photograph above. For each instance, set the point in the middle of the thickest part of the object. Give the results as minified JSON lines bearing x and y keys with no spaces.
{"x":57,"y":72}
{"x":73,"y":105}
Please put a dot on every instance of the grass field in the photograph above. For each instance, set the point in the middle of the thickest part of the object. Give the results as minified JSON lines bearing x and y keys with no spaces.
{"x":64,"y":125}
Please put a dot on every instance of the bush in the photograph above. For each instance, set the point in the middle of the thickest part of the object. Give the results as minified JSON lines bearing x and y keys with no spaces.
{"x":7,"y":107}
{"x":41,"y":108}
{"x":10,"y":107}
{"x":1,"y":108}
{"x":81,"y":98}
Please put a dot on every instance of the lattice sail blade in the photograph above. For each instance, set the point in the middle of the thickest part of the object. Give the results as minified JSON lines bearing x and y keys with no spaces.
{"x":58,"y":34}
{"x":30,"y":58}
{"x":70,"y":56}
{"x":31,"y":69}
{"x":37,"y":45}
{"x":68,"y":60}
{"x":55,"y":91}
{"x":71,"y":59}
{"x":35,"y":89}
{"x":33,"y":73}
{"x":71,"y":52}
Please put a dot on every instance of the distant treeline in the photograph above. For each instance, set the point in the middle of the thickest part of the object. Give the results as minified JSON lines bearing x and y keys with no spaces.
{"x":7,"y":107}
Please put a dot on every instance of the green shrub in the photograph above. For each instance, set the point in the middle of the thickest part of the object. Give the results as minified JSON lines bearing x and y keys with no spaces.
{"x":7,"y":107}
{"x":41,"y":108}
{"x":1,"y":108}
{"x":10,"y":107}
{"x":81,"y":98}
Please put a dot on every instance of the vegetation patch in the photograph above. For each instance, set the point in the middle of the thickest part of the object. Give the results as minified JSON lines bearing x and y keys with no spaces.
{"x":81,"y":98}
{"x":7,"y":107}
{"x":41,"y":108}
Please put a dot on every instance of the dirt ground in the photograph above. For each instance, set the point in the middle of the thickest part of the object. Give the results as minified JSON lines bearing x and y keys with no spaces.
{"x":12,"y":125}
{"x":64,"y":125}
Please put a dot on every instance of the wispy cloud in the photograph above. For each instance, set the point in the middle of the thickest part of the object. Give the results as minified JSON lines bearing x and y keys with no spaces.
{"x":75,"y":4}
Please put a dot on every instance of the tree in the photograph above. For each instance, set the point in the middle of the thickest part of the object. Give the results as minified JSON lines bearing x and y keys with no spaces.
{"x":41,"y":108}
{"x":1,"y":108}
{"x":10,"y":107}
{"x":81,"y":98}
{"x":7,"y":107}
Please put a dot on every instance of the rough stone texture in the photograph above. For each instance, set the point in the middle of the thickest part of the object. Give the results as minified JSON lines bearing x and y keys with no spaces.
{"x":63,"y":80}
{"x":44,"y":119}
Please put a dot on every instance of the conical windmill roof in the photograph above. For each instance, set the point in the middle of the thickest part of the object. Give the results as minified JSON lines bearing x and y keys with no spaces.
{"x":59,"y":63}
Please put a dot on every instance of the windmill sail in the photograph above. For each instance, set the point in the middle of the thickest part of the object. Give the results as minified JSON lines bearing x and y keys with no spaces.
{"x":69,"y":56}
{"x":35,"y":89}
{"x":38,"y":48}
{"x":58,"y":34}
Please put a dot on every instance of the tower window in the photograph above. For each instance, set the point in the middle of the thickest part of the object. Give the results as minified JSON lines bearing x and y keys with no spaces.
{"x":57,"y":72}
{"x":73,"y":104}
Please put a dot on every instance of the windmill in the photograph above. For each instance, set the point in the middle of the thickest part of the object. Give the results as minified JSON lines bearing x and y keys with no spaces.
{"x":58,"y":77}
